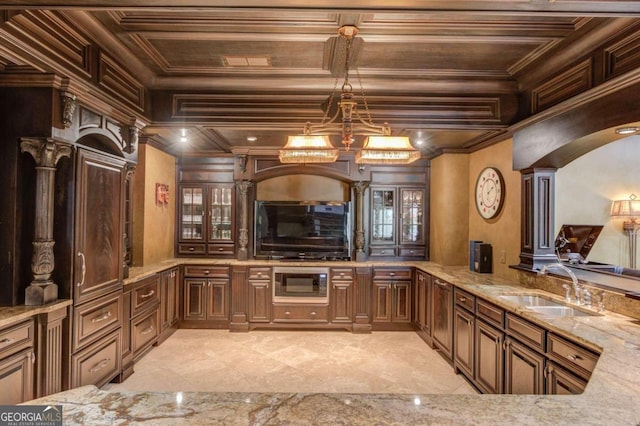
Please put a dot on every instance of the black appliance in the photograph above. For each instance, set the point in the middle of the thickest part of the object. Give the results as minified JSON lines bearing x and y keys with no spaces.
{"x":483,"y":258}
{"x":300,"y":285}
{"x":302,"y":230}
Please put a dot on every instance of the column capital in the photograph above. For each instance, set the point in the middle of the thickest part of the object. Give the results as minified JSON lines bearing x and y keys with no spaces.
{"x":46,"y":152}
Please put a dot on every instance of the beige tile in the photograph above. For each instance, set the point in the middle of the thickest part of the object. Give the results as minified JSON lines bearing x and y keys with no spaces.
{"x":294,"y":361}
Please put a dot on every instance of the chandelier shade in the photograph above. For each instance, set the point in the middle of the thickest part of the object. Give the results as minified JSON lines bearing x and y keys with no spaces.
{"x":387,"y":150}
{"x":314,"y":146}
{"x":308,"y":149}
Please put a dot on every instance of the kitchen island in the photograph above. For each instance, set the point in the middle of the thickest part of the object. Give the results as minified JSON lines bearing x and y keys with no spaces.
{"x":611,"y":396}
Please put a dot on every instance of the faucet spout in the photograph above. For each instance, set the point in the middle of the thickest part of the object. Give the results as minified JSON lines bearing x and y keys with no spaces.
{"x":577,"y":288}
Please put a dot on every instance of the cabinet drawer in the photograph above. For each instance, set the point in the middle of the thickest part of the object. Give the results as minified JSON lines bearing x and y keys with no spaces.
{"x":341,"y":274}
{"x":464,"y":299}
{"x":300,"y":313}
{"x":525,"y":331}
{"x":94,"y":319}
{"x":144,"y":330}
{"x":391,"y":274}
{"x":259,"y":273}
{"x":206,"y":271}
{"x":412,"y":252}
{"x":382,"y":251}
{"x":98,"y":363}
{"x":490,"y":313}
{"x":580,"y":360}
{"x":145,"y":295}
{"x":16,"y":338}
{"x":192,"y":249}
{"x":221,"y":249}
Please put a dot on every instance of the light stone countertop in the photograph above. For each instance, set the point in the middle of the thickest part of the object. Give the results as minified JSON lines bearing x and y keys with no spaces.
{"x":612,"y":396}
{"x":14,"y":314}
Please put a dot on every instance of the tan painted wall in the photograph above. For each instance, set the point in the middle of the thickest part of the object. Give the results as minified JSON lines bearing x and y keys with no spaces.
{"x":302,"y":187}
{"x":449,"y":201}
{"x":503,"y":232}
{"x":153,"y":224}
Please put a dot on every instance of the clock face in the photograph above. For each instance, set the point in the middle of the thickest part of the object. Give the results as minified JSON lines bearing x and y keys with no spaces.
{"x":489,"y":192}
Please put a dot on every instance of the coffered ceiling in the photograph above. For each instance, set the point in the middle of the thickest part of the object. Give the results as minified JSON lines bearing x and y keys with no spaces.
{"x":451,"y":75}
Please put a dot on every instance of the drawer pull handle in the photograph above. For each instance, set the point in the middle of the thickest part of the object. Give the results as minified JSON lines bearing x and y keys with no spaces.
{"x":259,"y":274}
{"x":83,"y":268}
{"x":440,"y":283}
{"x":7,"y":341}
{"x":101,"y":318}
{"x":462,"y":299}
{"x":206,"y":272}
{"x":147,"y":330}
{"x":221,"y":249}
{"x":192,"y":249}
{"x":151,"y":293}
{"x":99,"y":366}
{"x":574,"y":357}
{"x":392,"y":274}
{"x":287,"y":313}
{"x":313,"y":314}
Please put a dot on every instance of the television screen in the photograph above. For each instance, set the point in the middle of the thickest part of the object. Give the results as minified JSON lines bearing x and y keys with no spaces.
{"x":315,"y":230}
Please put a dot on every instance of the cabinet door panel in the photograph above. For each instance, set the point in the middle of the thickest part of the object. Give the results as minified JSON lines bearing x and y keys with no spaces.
{"x":463,"y":341}
{"x":342,"y":302}
{"x":524,"y":370}
{"x":259,"y":301}
{"x":442,"y":323}
{"x":194,"y":299}
{"x":218,"y":300}
{"x":382,"y":301}
{"x":402,"y":302}
{"x":16,"y":378}
{"x":99,"y":226}
{"x":561,"y":382}
{"x":489,"y":358}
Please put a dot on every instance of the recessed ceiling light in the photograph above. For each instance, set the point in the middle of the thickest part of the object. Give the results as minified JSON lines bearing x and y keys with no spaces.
{"x":246,"y":61}
{"x":252,"y":138}
{"x":419,"y":142}
{"x":627,"y":130}
{"x":183,"y":138}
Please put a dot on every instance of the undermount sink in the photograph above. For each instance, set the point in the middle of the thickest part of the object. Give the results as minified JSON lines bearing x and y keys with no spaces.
{"x":546,"y":306}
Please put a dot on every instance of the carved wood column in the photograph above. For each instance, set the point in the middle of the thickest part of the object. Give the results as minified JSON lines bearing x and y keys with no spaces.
{"x":46,"y":153}
{"x":359,"y":188}
{"x":537,"y":240}
{"x":243,"y":230}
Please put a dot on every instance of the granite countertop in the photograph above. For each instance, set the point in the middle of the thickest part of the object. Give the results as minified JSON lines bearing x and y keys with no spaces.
{"x":13,"y":314}
{"x":612,"y":396}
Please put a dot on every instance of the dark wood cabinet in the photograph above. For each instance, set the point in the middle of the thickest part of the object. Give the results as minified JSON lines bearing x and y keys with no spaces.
{"x":489,"y":358}
{"x":260,"y":284}
{"x":561,"y":382}
{"x":464,"y":341}
{"x":17,"y":363}
{"x":341,"y":295}
{"x":392,"y":296}
{"x":169,"y":302}
{"x":397,"y":222}
{"x":206,"y":296}
{"x":422,"y":302}
{"x":206,"y":220}
{"x":442,"y":317}
{"x":524,"y":369}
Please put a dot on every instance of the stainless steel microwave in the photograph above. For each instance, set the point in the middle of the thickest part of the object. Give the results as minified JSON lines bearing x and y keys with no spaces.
{"x":300,"y":284}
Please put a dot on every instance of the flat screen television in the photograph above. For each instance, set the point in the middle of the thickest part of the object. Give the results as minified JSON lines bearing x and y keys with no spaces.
{"x":312,"y":230}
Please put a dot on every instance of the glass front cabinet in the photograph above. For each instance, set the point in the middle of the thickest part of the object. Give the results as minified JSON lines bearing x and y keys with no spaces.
{"x":397,"y":222}
{"x":206,"y":220}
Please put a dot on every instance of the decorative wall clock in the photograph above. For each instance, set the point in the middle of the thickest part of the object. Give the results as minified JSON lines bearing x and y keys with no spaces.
{"x":489,"y":192}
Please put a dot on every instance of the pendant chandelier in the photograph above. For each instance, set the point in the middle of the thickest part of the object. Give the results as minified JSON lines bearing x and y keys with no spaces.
{"x":379,"y":147}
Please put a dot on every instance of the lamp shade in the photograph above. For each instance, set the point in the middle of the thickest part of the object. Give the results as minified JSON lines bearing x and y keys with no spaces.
{"x":387,"y":150}
{"x":626,"y":208}
{"x":308,"y":149}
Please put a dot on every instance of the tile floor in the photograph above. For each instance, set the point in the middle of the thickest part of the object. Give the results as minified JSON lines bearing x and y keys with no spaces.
{"x":294,"y":361}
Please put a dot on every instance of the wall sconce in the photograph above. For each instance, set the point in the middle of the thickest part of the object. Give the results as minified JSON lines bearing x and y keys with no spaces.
{"x":628,"y":209}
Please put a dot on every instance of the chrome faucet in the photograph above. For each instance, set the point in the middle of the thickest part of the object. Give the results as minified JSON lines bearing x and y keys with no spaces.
{"x":578,"y":290}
